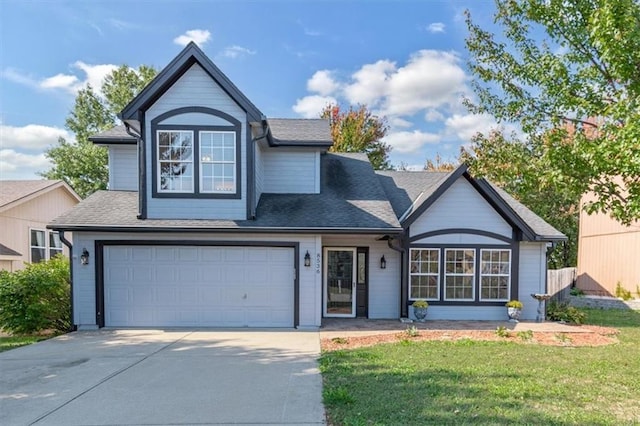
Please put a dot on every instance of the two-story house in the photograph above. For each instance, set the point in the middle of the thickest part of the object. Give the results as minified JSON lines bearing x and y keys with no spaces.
{"x":219,"y":216}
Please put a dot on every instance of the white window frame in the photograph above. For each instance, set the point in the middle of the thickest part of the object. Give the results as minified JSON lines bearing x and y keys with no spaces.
{"x":427,"y":274}
{"x":204,"y":159}
{"x":490,"y":274}
{"x":53,"y":248}
{"x":159,"y":163}
{"x":472,"y":275}
{"x":47,"y":247}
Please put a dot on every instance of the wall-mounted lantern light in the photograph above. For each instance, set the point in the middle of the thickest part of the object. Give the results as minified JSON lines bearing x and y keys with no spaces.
{"x":84,"y":257}
{"x":383,"y":262}
{"x":307,"y":259}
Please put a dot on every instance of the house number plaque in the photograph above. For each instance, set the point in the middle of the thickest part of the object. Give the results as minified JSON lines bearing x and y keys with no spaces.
{"x":318,"y":262}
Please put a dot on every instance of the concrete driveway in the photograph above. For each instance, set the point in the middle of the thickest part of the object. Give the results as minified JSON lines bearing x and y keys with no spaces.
{"x":170,"y":377}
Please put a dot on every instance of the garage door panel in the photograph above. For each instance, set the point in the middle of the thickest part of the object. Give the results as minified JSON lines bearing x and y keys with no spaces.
{"x":198,"y":286}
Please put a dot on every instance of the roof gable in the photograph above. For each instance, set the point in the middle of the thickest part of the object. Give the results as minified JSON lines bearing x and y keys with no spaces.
{"x":190,"y":55}
{"x":412,"y":194}
{"x":15,"y":192}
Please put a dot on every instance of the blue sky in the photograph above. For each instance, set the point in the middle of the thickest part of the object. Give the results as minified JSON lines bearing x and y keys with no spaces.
{"x":404,"y":59}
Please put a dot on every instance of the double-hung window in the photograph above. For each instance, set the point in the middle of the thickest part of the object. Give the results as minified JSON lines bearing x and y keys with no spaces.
{"x":459,"y":274}
{"x":217,"y":162}
{"x":43,"y":248}
{"x":495,"y":274}
{"x":196,"y":162}
{"x":424,"y":274}
{"x":175,"y":161}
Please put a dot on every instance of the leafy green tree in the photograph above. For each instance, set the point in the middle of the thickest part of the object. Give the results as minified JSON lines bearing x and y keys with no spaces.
{"x":359,"y":130}
{"x":439,"y":164}
{"x":567,"y":72}
{"x":82,"y":164}
{"x":519,"y":169}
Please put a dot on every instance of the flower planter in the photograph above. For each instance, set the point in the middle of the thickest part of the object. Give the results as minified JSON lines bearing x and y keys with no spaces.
{"x":420,"y":313}
{"x":514,"y":314}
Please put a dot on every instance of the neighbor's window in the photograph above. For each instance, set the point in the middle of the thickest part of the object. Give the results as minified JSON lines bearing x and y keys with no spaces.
{"x":175,"y":161}
{"x":495,"y":274}
{"x":459,"y":274}
{"x":424,"y":274}
{"x":217,"y":162}
{"x":55,"y":245}
{"x":38,"y":246}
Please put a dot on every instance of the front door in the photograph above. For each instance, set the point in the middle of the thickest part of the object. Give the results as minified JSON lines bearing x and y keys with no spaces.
{"x":340,"y":282}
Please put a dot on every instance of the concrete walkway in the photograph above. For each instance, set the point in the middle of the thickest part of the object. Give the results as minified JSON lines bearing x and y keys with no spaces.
{"x":172,"y":377}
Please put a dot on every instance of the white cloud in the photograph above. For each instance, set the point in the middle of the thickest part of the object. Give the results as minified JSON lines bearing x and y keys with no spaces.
{"x":17,"y":165}
{"x":59,"y":81}
{"x":236,"y":51}
{"x":370,"y":84}
{"x":31,"y":136}
{"x":199,"y":37}
{"x":71,"y":83}
{"x":433,"y":115}
{"x":323,"y":83}
{"x":400,"y":122}
{"x":430,"y":79}
{"x":436,"y":27}
{"x":466,"y":126}
{"x":405,"y":142}
{"x":312,"y":106}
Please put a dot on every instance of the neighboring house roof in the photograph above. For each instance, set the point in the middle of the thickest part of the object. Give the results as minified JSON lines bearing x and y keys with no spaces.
{"x":351,"y":199}
{"x":411,"y":193}
{"x":300,"y":132}
{"x":14,"y":192}
{"x":6,"y":251}
{"x":116,"y":134}
{"x":190,"y":55}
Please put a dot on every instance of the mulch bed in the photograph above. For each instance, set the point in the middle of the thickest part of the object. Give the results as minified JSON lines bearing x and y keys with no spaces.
{"x":589,"y":335}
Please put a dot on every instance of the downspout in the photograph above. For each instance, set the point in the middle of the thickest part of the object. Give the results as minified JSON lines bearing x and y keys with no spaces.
{"x":265,"y":134}
{"x":141,"y":159}
{"x":72,"y":326}
{"x":402,"y":266}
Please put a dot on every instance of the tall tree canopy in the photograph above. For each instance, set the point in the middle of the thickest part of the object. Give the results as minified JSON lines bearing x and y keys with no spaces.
{"x":568,"y":72}
{"x":359,"y":130}
{"x":519,"y":169}
{"x":82,"y":164}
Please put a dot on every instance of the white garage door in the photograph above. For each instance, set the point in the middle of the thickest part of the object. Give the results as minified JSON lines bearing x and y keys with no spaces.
{"x":184,"y":286}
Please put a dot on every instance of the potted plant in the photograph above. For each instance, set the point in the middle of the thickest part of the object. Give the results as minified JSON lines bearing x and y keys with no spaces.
{"x":514,"y":309}
{"x":420,"y":309}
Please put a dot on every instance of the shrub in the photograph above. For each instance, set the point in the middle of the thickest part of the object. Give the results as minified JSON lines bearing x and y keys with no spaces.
{"x":622,"y":292}
{"x":575,"y":291}
{"x":563,"y":312}
{"x":36,"y":298}
{"x":525,"y":335}
{"x":502,"y":332}
{"x":412,"y":331}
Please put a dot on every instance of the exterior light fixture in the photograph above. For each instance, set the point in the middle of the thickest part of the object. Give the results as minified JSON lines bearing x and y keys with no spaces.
{"x":84,"y":257}
{"x":383,"y":262}
{"x":307,"y":259}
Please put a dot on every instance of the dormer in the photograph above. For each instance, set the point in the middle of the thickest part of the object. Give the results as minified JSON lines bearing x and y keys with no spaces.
{"x":204,"y":151}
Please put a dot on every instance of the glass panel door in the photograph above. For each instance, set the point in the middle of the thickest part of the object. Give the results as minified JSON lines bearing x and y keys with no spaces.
{"x":340,"y":282}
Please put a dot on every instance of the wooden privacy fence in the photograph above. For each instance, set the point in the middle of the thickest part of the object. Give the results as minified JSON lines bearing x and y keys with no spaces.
{"x":559,"y":283}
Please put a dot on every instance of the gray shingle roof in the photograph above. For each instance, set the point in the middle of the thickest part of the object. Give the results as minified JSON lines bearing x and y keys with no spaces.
{"x":351,"y":198}
{"x":13,"y":190}
{"x":406,"y":187}
{"x":116,"y":134}
{"x":287,"y":131}
{"x":6,"y":251}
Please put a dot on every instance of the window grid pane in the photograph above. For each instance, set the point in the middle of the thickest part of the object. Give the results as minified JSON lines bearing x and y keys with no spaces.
{"x":217,"y":162}
{"x":38,"y":246}
{"x":424,"y":274}
{"x":459,"y":274}
{"x":495,"y":274}
{"x":175,"y":161}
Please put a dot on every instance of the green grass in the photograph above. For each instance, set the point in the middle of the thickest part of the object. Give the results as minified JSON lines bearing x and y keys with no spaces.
{"x":12,"y":342}
{"x":474,"y":382}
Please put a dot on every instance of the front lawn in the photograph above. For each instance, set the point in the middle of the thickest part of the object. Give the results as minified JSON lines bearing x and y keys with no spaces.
{"x":474,"y":382}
